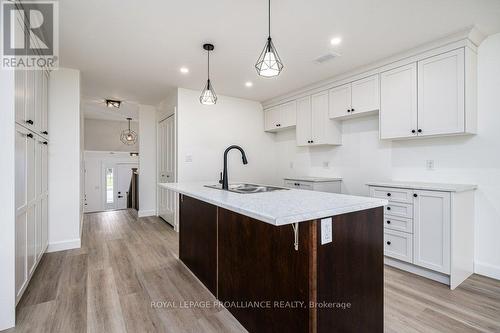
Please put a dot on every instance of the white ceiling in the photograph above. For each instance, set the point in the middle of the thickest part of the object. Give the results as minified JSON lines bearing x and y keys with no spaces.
{"x":97,"y":109}
{"x":133,"y":49}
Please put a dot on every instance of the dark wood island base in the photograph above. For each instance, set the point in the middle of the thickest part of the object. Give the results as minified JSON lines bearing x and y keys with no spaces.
{"x":253,"y":268}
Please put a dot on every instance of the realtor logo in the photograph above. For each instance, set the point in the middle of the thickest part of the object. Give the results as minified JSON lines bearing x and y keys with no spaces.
{"x":30,"y":36}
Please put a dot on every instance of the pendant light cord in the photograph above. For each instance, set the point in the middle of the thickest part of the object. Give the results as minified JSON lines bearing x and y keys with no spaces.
{"x":269,"y":18}
{"x":208,"y":67}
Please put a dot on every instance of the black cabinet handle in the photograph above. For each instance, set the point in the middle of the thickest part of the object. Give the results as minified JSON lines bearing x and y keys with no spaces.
{"x":388,"y":243}
{"x":419,"y":130}
{"x":388,"y":208}
{"x":29,"y":135}
{"x":388,"y":194}
{"x":312,"y":141}
{"x":413,"y":131}
{"x":45,"y":143}
{"x":352,"y":110}
{"x":348,"y":110}
{"x":45,"y":132}
{"x":388,"y":222}
{"x":29,"y":121}
{"x":415,"y":195}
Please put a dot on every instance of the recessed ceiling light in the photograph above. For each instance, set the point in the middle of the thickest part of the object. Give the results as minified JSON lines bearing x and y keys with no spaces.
{"x":336,"y":41}
{"x":248,"y":84}
{"x":184,"y":70}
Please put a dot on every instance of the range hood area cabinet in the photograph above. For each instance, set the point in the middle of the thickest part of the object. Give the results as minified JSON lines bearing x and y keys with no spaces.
{"x":280,"y":117}
{"x":357,"y":98}
{"x":430,"y":97}
{"x":313,"y":124}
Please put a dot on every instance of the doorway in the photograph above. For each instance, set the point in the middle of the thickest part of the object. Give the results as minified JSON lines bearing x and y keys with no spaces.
{"x":166,"y":168}
{"x":117,"y":182}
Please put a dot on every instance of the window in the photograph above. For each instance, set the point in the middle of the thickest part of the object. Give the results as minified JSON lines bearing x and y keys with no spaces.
{"x":109,"y":186}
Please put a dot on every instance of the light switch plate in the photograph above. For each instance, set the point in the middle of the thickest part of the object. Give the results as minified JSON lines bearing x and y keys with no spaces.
{"x":326,"y":231}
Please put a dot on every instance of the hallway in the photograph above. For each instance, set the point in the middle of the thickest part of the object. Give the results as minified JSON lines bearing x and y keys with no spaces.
{"x":126,"y":263}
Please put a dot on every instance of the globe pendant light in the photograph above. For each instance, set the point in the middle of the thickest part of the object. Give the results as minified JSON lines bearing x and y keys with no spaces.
{"x":128,"y":136}
{"x":208,"y":96}
{"x":269,"y":63}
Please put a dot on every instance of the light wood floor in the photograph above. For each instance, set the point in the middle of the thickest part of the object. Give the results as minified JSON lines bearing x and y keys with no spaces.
{"x":125,"y":263}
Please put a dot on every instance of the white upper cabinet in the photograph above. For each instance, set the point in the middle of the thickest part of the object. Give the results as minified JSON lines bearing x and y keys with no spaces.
{"x":280,"y":117}
{"x":340,"y":101}
{"x":313,"y":124}
{"x":444,"y":97}
{"x":398,"y":100}
{"x":441,"y":108}
{"x":355,"y":98}
{"x":303,"y":130}
{"x":365,"y":95}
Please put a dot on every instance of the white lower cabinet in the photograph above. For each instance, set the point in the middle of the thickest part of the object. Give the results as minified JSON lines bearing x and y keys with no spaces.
{"x":31,"y":195}
{"x":332,"y":186}
{"x":431,"y":234}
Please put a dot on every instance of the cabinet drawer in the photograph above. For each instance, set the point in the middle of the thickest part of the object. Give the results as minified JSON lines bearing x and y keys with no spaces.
{"x":398,"y":224}
{"x":398,"y":245}
{"x":299,"y":184}
{"x":397,"y":209}
{"x":392,"y":194}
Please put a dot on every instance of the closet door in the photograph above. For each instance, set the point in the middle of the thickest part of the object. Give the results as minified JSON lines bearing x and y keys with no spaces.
{"x":441,"y":94}
{"x":303,"y":128}
{"x":30,"y":118}
{"x":21,"y":182}
{"x":31,"y":198}
{"x":38,"y":84}
{"x":38,"y":200}
{"x":45,"y":197}
{"x":20,"y":98}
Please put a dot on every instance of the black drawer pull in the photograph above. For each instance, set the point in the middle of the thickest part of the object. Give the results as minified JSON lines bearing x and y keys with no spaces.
{"x":388,"y":243}
{"x":415,"y":195}
{"x":388,"y":222}
{"x":29,"y":121}
{"x":388,"y":208}
{"x":388,"y":194}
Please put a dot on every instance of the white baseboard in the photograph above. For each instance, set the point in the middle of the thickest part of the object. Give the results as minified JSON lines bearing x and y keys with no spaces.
{"x":144,"y":213}
{"x":64,"y":245}
{"x":436,"y":276}
{"x":488,"y":270}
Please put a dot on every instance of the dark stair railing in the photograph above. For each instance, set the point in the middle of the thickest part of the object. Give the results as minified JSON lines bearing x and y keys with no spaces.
{"x":133,"y":191}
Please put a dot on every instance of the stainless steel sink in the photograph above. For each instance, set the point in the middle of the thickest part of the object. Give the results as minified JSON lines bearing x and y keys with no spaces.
{"x":248,"y":188}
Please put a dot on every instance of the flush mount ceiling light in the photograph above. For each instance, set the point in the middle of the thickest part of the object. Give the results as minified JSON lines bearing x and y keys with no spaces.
{"x":113,"y":103}
{"x":128,"y":136}
{"x":134,"y":154}
{"x":208,"y":96}
{"x":269,"y":63}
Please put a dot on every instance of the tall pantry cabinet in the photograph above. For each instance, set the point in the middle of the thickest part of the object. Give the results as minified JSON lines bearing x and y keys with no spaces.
{"x":31,"y":179}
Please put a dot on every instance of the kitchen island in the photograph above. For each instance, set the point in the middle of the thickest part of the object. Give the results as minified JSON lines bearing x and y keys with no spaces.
{"x":287,"y":260}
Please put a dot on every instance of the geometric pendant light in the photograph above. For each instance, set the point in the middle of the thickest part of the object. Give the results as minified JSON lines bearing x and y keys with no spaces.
{"x":269,"y":63}
{"x":128,"y":136}
{"x":208,"y":96}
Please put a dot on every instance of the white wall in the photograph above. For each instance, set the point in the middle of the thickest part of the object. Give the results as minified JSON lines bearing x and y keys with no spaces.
{"x":147,"y":160}
{"x":204,"y":132}
{"x":64,"y":160}
{"x":104,"y":135}
{"x":7,"y":204}
{"x":461,"y":159}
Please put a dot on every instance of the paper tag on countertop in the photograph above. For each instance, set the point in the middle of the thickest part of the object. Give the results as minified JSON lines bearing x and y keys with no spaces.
{"x":326,"y":231}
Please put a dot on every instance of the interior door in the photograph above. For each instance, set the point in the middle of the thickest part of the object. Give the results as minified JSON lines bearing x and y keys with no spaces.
{"x":303,"y":129}
{"x":166,"y":168}
{"x":123,"y":178}
{"x":441,"y":96}
{"x":340,"y":101}
{"x":398,"y":102}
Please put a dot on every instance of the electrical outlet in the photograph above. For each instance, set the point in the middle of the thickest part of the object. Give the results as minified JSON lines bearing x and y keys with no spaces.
{"x":429,"y":164}
{"x":326,"y":164}
{"x":326,"y":231}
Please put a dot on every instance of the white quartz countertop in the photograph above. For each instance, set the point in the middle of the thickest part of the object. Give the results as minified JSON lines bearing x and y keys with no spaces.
{"x":278,"y":207}
{"x":426,"y":186}
{"x":314,"y":179}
